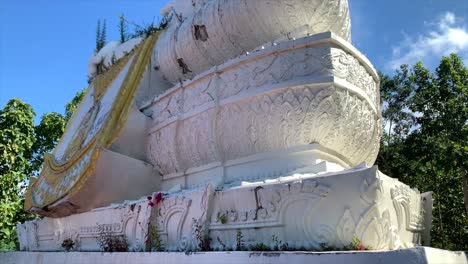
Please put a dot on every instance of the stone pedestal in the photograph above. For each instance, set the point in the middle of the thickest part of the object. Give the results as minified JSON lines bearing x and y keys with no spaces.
{"x":309,"y":210}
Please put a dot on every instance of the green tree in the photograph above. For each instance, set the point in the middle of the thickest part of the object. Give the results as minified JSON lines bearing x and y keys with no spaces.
{"x":71,"y":106}
{"x":98,"y":36}
{"x":122,"y":28}
{"x":430,"y":152}
{"x":101,"y":35}
{"x":22,"y":149}
{"x":47,"y":134}
{"x":16,"y":140}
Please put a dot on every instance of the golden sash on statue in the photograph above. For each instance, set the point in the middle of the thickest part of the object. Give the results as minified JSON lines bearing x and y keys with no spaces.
{"x":66,"y":176}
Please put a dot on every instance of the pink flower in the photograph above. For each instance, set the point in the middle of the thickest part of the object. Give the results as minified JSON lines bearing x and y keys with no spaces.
{"x":361,"y":247}
{"x":158,"y":198}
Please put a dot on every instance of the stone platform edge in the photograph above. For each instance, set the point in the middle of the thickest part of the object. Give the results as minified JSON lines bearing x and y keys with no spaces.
{"x":418,"y":255}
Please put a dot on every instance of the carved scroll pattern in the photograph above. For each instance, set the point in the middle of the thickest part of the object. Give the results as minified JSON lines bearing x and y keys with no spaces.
{"x":275,"y":120}
{"x":347,"y":67}
{"x":373,"y":227}
{"x":330,"y":116}
{"x":196,"y":140}
{"x":173,"y":211}
{"x":272,"y":206}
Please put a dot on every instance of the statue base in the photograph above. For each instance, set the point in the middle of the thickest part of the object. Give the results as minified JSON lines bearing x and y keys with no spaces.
{"x":307,"y":210}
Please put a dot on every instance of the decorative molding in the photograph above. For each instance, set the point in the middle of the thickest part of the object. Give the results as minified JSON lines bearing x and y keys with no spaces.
{"x":372,"y":189}
{"x":345,"y":228}
{"x":409,"y":214}
{"x":272,"y":205}
{"x":173,"y":211}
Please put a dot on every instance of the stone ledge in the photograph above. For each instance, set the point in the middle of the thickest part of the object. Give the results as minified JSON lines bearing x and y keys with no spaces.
{"x":419,"y":255}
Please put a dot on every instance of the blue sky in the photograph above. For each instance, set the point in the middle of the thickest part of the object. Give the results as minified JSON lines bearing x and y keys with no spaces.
{"x":45,"y":44}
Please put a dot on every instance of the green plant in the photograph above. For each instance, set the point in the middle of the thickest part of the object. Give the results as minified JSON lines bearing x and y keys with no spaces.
{"x":221,"y":243}
{"x":259,"y":247}
{"x":153,"y":240}
{"x":356,"y":244}
{"x":68,"y":244}
{"x":278,"y":244}
{"x":326,"y":247}
{"x":100,"y":35}
{"x":222,"y":218}
{"x":240,"y":244}
{"x":122,"y":29}
{"x":109,"y":242}
{"x":203,"y":239}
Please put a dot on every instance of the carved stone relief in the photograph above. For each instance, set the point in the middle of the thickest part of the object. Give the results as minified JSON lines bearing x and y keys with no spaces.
{"x":408,"y":208}
{"x":260,"y":104}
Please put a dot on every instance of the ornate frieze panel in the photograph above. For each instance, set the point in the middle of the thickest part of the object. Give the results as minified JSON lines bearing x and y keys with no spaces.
{"x":271,"y":205}
{"x":409,"y":209}
{"x":302,"y":210}
{"x":316,"y":91}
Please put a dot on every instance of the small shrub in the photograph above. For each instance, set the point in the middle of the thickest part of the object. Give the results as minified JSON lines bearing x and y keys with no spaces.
{"x":203,"y":240}
{"x":279,"y":245}
{"x":153,"y":240}
{"x":68,"y":244}
{"x":259,"y":247}
{"x":240,"y":244}
{"x":109,"y":242}
{"x":222,"y":218}
{"x":221,"y":243}
{"x":356,"y":244}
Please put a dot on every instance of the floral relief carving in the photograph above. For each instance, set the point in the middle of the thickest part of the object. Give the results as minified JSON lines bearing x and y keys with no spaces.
{"x":272,"y":205}
{"x":299,"y":116}
{"x":372,"y":228}
{"x":371,"y":189}
{"x":347,"y":67}
{"x":196,"y":141}
{"x":162,"y":149}
{"x":345,"y":228}
{"x":226,"y":115}
{"x":408,"y":208}
{"x":171,"y":216}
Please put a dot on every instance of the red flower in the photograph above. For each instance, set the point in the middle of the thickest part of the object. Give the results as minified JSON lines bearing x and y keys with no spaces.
{"x":361,"y":247}
{"x":158,"y":198}
{"x":150,"y":203}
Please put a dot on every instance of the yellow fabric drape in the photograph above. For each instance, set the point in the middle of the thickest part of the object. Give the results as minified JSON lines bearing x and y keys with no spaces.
{"x":58,"y":180}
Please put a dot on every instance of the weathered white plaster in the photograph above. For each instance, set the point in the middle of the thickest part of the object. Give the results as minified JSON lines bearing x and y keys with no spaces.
{"x":419,"y":255}
{"x":207,"y":33}
{"x":268,"y":113}
{"x":306,"y":211}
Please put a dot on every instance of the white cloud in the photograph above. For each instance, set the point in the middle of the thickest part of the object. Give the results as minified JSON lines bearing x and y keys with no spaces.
{"x":446,"y":35}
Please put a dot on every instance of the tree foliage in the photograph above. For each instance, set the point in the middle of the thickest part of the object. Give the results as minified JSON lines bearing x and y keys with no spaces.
{"x":22,"y":149}
{"x":16,"y":140}
{"x":123,"y":29}
{"x":425,"y":143}
{"x":100,"y":35}
{"x":71,"y":106}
